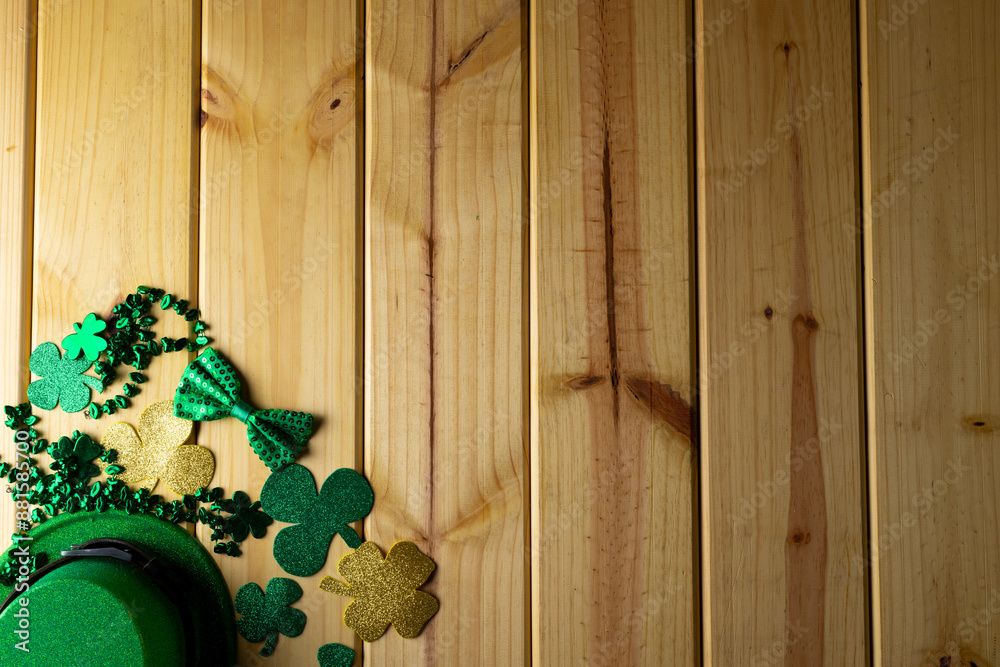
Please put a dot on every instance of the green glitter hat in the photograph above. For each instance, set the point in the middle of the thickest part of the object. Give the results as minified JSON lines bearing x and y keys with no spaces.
{"x":119,"y":589}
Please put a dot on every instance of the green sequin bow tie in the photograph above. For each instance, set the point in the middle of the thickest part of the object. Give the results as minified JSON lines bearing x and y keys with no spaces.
{"x":209,"y":390}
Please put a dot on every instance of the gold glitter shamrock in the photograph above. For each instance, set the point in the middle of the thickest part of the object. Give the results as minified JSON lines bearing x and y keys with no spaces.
{"x":385,"y":590}
{"x":157,"y":451}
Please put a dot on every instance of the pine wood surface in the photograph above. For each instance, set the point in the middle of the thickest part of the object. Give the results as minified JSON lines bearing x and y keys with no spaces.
{"x":278,"y":279}
{"x":933,"y":246}
{"x":113,"y":191}
{"x":16,"y":181}
{"x":783,"y":506}
{"x":444,"y":444}
{"x":664,"y":341}
{"x":613,"y":476}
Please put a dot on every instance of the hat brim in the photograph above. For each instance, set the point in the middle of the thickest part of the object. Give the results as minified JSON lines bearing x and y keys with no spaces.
{"x":205,"y":594}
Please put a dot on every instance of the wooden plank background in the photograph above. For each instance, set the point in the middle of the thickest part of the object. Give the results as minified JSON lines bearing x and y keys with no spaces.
{"x":665,"y":342}
{"x":279,"y":233}
{"x":779,"y":337}
{"x":933,"y":251}
{"x":614,"y":465}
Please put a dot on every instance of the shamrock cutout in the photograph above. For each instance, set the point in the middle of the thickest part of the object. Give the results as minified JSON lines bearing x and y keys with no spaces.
{"x":267,"y":614}
{"x":62,"y":380}
{"x":335,"y":655}
{"x":384,"y":591}
{"x":157,"y":451}
{"x":86,"y":338}
{"x":245,"y":517}
{"x":290,"y":496}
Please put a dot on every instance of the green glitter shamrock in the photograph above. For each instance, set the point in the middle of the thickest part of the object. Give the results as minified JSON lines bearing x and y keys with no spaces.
{"x":267,"y":614}
{"x":245,"y":517}
{"x":62,"y":380}
{"x":290,"y":496}
{"x":86,"y":338}
{"x":335,"y":655}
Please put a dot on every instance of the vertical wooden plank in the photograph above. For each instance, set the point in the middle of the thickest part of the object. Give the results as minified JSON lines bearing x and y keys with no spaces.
{"x":113,"y":174}
{"x":278,"y":253}
{"x":933,"y":238}
{"x":614,"y":546}
{"x":444,"y":445}
{"x":17,"y":61}
{"x":779,"y":355}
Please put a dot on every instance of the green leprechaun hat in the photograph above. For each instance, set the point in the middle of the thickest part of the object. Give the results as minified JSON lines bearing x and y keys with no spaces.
{"x":118,"y":589}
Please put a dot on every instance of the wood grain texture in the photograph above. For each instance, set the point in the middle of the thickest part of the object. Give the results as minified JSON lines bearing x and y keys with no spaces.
{"x":17,"y":32}
{"x":444,"y":445}
{"x":613,"y":481}
{"x":278,"y":253}
{"x":113,"y":176}
{"x":931,"y":77}
{"x":782,"y":506}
